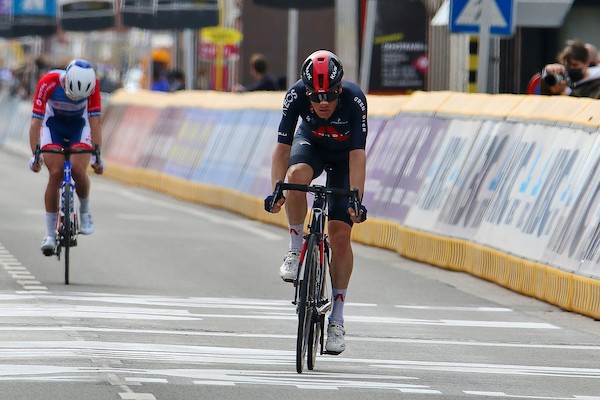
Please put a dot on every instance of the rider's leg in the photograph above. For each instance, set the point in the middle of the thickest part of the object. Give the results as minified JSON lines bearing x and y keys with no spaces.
{"x":296,"y":204}
{"x":79,"y":165}
{"x":54,"y":163}
{"x":342,"y":262}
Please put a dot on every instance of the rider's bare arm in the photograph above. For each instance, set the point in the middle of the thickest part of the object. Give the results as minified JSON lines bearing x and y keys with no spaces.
{"x":357,"y":165}
{"x":279,"y":162}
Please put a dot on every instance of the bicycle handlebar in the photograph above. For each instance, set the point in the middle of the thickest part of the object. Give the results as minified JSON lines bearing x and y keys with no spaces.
{"x":352,"y":194}
{"x":67,"y":151}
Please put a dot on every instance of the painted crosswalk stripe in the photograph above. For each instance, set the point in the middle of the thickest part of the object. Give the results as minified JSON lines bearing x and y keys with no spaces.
{"x":137,"y":396}
{"x":19,"y":272}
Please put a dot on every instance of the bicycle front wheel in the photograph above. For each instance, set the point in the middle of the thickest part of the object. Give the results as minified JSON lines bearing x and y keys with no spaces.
{"x":67,"y":227}
{"x":304,"y":342}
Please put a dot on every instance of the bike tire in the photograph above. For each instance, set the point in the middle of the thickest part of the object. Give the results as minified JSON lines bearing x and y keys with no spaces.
{"x":305,"y":320}
{"x":66,"y":198}
{"x":324,"y":293}
{"x":311,"y":259}
{"x":316,"y":295}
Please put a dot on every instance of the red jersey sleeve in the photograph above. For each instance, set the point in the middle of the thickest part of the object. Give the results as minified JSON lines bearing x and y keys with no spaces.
{"x":95,"y":102}
{"x":46,"y":86}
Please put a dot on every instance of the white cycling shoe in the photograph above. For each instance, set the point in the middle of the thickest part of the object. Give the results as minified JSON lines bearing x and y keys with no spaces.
{"x":336,"y":343}
{"x":86,"y":225}
{"x":289,"y":269}
{"x":49,"y":245}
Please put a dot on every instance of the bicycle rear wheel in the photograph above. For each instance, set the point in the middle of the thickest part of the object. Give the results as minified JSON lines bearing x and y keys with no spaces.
{"x":306,"y":319}
{"x":67,"y":228}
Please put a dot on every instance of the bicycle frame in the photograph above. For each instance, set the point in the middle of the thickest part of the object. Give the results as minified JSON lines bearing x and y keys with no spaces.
{"x":68,"y":223}
{"x":311,"y":296}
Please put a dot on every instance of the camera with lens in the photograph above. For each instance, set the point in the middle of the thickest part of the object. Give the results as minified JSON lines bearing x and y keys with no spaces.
{"x":554,"y":79}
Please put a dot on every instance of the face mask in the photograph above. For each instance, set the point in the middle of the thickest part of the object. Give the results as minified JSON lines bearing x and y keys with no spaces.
{"x":575,"y":75}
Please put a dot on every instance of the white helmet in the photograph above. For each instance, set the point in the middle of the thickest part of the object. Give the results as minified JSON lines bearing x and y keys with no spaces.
{"x":80,"y":80}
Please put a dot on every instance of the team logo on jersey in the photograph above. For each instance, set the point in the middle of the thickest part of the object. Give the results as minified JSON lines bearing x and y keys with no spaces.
{"x":330,"y":132}
{"x":288,"y":100}
{"x":338,"y":121}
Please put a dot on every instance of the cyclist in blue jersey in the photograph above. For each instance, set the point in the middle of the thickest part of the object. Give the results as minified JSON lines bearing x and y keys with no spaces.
{"x":67,"y":109}
{"x":333,"y":133}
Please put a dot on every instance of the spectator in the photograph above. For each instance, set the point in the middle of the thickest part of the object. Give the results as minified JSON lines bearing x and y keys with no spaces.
{"x":176,"y":80}
{"x":572,"y":75}
{"x":593,"y":51}
{"x":259,"y":72}
{"x":160,"y":83}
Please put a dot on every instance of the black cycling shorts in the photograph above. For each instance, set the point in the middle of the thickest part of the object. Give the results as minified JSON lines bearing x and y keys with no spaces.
{"x":338,"y":175}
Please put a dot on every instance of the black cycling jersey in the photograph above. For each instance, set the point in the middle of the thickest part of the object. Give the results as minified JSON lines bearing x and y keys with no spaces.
{"x":344,"y":131}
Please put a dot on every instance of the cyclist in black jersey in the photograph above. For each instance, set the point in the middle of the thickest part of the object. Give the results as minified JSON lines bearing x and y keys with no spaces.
{"x":332,"y":133}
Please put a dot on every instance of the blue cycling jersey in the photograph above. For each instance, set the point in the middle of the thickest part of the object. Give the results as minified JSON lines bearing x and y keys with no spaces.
{"x":344,"y":131}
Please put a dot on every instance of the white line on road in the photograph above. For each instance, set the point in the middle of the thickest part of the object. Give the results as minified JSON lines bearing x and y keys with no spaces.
{"x":504,"y":395}
{"x":166,"y":332}
{"x":137,"y":396}
{"x":19,"y":272}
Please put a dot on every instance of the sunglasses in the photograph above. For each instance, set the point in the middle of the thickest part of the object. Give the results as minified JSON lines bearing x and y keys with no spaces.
{"x":327,"y":96}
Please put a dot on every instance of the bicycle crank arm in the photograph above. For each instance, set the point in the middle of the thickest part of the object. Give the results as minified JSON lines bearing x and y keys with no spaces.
{"x":324,"y":308}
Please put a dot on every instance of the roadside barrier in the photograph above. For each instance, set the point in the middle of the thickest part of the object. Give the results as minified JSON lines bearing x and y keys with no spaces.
{"x":503,"y":187}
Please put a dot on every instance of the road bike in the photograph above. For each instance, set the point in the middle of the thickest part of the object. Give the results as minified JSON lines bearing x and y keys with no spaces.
{"x":312,"y":295}
{"x":68,"y":222}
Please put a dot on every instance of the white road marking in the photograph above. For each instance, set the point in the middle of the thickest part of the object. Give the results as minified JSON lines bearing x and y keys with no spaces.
{"x":137,"y":396}
{"x":502,"y":394}
{"x":137,"y":361}
{"x":146,"y":380}
{"x":139,"y":313}
{"x":19,"y":272}
{"x":165,"y":332}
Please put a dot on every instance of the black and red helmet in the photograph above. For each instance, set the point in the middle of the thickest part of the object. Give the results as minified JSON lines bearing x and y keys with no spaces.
{"x":322,"y":72}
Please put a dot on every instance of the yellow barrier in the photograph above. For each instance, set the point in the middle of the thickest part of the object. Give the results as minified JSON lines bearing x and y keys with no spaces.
{"x":566,"y":290}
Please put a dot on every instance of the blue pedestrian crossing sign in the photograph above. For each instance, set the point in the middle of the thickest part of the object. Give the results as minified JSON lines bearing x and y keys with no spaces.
{"x":475,"y":16}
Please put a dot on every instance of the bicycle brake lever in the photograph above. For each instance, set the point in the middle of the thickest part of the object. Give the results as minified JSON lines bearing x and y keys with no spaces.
{"x":37,"y":154}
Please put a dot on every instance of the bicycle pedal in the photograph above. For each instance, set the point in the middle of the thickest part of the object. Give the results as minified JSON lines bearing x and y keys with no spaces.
{"x":324,"y":309}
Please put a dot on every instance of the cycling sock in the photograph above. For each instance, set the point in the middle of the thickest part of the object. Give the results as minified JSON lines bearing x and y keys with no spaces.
{"x":337,"y":313}
{"x":296,"y":236}
{"x":84,"y":205}
{"x":51,"y":221}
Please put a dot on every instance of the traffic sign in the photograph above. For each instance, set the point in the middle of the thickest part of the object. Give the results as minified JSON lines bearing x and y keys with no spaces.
{"x":496,"y":17}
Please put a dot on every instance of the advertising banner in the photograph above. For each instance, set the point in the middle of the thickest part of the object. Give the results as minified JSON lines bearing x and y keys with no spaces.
{"x":133,"y":131}
{"x":157,"y":148}
{"x":260,"y":165}
{"x":442,"y":174}
{"x":189,"y":142}
{"x":170,"y":14}
{"x":398,"y":161}
{"x":575,"y":239}
{"x":112,"y":117}
{"x":239,"y":150}
{"x":476,"y":184}
{"x":210,"y":168}
{"x":545,"y":166}
{"x":399,"y":60}
{"x":32,"y":18}
{"x":4,"y":14}
{"x":90,"y":15}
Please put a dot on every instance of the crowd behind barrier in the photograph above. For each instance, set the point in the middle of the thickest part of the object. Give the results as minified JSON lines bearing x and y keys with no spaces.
{"x":500,"y":186}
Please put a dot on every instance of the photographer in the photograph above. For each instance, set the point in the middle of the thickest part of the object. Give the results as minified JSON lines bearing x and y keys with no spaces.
{"x":572,"y":76}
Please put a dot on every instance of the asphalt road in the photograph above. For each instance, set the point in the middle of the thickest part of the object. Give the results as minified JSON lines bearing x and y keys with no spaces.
{"x":175,"y":301}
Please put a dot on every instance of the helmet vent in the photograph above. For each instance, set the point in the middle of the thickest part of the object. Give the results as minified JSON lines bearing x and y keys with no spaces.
{"x":320,"y":77}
